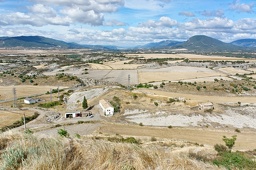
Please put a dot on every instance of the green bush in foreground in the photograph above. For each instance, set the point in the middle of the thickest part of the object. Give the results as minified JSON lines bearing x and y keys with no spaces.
{"x":234,"y":160}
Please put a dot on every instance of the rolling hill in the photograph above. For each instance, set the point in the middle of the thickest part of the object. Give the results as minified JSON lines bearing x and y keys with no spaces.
{"x":161,"y":44}
{"x":202,"y":43}
{"x":245,"y":43}
{"x":43,"y":42}
{"x":33,"y":42}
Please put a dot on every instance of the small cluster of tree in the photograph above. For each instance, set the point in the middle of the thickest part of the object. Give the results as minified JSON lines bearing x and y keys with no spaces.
{"x":50,"y":104}
{"x":146,"y":85}
{"x":116,"y":103}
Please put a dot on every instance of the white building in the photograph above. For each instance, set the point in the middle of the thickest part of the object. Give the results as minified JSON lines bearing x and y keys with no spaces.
{"x":73,"y":115}
{"x":30,"y":101}
{"x":107,"y":108}
{"x":206,"y":106}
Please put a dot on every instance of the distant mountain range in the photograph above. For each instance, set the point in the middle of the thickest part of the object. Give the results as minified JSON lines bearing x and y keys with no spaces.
{"x":202,"y":43}
{"x":43,"y":42}
{"x":161,"y":44}
{"x":245,"y":43}
{"x":198,"y":43}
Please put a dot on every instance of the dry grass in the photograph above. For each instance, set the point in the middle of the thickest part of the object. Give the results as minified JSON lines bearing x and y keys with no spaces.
{"x":30,"y":152}
{"x":9,"y":117}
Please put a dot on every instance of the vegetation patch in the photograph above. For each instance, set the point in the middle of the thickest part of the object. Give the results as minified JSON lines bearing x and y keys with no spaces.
{"x":50,"y":104}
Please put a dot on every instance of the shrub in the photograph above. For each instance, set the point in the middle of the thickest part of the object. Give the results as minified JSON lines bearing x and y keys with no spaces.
{"x":198,"y":88}
{"x":77,"y":136}
{"x":80,"y":121}
{"x":230,"y":142}
{"x":50,"y":104}
{"x":171,"y":100}
{"x":141,"y":124}
{"x":63,"y":133}
{"x":13,"y":158}
{"x":170,"y":126}
{"x":134,"y":96}
{"x":130,"y":140}
{"x":234,"y":160}
{"x":237,"y":130}
{"x":220,"y":148}
{"x":156,"y":104}
{"x":153,"y":139}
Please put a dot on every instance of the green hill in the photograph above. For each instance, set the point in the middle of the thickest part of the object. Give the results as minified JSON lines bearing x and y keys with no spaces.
{"x":202,"y":43}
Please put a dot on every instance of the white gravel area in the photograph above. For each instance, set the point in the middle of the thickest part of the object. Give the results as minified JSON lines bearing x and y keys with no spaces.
{"x":233,"y":118}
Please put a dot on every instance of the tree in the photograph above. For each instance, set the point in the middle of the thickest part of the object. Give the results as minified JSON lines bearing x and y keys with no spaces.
{"x":85,"y":104}
{"x":230,"y":142}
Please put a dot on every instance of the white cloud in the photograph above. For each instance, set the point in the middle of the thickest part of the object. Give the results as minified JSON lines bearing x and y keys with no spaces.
{"x":63,"y":12}
{"x":241,"y":7}
{"x":43,"y":9}
{"x":114,"y":23}
{"x":213,"y":23}
{"x":215,"y":13}
{"x":163,"y":22}
{"x":187,"y":14}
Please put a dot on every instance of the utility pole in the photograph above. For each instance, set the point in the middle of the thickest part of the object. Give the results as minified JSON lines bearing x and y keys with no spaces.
{"x":129,"y":81}
{"x":24,"y":121}
{"x":51,"y":95}
{"x":59,"y":93}
{"x":14,"y":97}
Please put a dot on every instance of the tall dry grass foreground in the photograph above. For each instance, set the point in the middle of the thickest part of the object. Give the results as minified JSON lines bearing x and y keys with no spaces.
{"x":27,"y":151}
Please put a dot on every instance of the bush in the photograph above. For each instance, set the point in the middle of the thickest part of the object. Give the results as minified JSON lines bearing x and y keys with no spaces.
{"x":63,"y":133}
{"x":134,"y":96}
{"x":234,"y":160}
{"x":50,"y":104}
{"x":171,"y":100}
{"x":80,"y":121}
{"x":220,"y":148}
{"x":230,"y":142}
{"x":156,"y":104}
{"x":141,"y":124}
{"x":130,"y":140}
{"x":237,"y":130}
{"x":153,"y":139}
{"x":198,"y":88}
{"x":170,"y":126}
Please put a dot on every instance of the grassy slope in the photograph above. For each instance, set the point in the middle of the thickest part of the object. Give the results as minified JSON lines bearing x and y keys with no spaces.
{"x":26,"y":151}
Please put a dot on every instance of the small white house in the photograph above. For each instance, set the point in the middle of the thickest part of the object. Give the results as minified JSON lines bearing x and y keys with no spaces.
{"x":206,"y":106}
{"x":106,"y":107}
{"x":30,"y":101}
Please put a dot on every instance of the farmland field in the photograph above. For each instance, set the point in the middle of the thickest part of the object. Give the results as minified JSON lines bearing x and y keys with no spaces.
{"x":8,"y":117}
{"x":192,"y":57}
{"x":6,"y":92}
{"x":177,"y":73}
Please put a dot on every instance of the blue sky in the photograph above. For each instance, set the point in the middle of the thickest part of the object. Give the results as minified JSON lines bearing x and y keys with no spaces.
{"x":128,"y":22}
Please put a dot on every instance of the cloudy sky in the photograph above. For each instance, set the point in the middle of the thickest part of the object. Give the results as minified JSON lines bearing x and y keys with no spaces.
{"x":128,"y":22}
